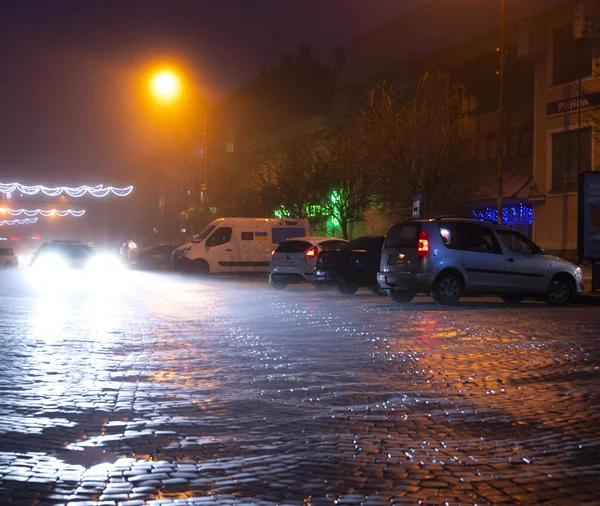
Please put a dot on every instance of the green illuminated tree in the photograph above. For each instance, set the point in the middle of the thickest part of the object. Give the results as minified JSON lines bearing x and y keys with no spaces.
{"x":350,"y":186}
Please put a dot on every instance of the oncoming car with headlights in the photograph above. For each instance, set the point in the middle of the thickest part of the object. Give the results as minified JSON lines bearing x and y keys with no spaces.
{"x":57,"y":256}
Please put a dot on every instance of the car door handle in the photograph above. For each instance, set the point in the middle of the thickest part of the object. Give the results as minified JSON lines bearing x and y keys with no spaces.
{"x":228,"y":249}
{"x":511,"y":260}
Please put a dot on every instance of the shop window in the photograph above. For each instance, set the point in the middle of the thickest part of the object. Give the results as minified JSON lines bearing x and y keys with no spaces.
{"x":571,"y":59}
{"x":571,"y":154}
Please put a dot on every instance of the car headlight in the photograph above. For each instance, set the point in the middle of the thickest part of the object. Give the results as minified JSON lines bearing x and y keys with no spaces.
{"x":51,"y":262}
{"x":178,"y":253}
{"x":105,"y":263}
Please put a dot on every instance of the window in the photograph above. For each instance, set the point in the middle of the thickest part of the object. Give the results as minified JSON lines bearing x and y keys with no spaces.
{"x":450,"y":235}
{"x":403,"y":235}
{"x":572,"y":59}
{"x":479,"y":238}
{"x":205,"y":233}
{"x":566,"y":160}
{"x":247,"y":236}
{"x":293,"y":247}
{"x":366,"y":243}
{"x":517,"y":242}
{"x":221,"y":236}
{"x":332,"y":245}
{"x":229,"y":147}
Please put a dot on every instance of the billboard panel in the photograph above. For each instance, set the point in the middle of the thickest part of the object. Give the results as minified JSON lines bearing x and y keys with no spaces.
{"x":588,"y":240}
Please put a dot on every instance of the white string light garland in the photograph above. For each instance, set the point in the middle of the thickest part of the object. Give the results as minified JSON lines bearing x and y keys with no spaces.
{"x":43,"y":212}
{"x":78,"y":191}
{"x":26,"y":221}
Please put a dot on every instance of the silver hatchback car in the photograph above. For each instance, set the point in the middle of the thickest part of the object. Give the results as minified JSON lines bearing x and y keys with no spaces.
{"x":450,"y":258}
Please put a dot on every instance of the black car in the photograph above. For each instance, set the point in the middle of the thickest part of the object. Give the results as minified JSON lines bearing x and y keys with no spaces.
{"x":155,"y":257}
{"x":353,"y":266}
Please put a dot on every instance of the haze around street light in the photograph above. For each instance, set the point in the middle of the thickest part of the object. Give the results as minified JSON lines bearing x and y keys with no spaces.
{"x":165,"y":85}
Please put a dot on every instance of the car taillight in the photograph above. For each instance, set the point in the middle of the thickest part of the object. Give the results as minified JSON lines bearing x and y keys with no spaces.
{"x":312,"y":252}
{"x":423,"y":247}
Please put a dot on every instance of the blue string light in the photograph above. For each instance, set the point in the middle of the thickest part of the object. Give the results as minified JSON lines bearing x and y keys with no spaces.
{"x":515,"y":214}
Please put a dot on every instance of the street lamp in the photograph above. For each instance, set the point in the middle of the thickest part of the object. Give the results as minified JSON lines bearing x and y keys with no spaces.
{"x":165,"y":85}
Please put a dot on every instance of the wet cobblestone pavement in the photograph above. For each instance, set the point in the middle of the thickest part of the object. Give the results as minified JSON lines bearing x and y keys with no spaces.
{"x":185,"y":391}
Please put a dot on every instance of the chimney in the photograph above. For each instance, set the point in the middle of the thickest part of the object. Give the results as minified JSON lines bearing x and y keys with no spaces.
{"x":305,"y":51}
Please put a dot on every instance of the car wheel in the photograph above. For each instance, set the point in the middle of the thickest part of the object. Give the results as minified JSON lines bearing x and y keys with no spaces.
{"x":401,"y":297}
{"x":347,"y":289}
{"x":560,"y":291}
{"x":278,"y":285}
{"x":447,"y":290}
{"x":512,"y":298}
{"x":201,"y":267}
{"x":378,"y":291}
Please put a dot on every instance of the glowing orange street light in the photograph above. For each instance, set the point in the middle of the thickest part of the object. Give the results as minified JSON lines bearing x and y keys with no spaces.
{"x":165,"y":85}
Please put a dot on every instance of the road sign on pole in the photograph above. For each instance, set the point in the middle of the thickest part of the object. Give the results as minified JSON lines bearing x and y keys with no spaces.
{"x":416,"y":207}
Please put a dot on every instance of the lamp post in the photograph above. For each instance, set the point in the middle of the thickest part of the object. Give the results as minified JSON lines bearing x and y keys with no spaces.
{"x":166,"y":87}
{"x":500,"y":149}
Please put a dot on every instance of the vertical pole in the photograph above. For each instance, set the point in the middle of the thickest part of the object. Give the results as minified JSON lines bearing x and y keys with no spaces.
{"x":205,"y":149}
{"x":500,"y":153}
{"x":579,"y":127}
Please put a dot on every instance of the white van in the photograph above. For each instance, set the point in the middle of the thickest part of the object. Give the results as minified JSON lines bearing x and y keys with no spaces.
{"x":237,"y":244}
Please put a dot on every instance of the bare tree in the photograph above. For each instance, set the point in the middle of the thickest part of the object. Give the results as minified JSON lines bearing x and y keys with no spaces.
{"x":290,"y":178}
{"x":420,"y":144}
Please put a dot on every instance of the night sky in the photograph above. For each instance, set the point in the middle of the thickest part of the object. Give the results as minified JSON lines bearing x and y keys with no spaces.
{"x":73,"y":102}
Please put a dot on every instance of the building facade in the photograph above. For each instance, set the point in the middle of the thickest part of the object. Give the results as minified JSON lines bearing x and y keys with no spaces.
{"x":551,"y":98}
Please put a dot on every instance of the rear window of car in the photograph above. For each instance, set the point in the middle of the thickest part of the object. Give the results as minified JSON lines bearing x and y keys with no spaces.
{"x":366,"y":243}
{"x":403,"y":235}
{"x":6,"y":252}
{"x":293,"y":247}
{"x":331,"y":245}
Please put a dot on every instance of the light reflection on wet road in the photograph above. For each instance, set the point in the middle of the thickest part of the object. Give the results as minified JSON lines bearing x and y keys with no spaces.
{"x":188,"y":389}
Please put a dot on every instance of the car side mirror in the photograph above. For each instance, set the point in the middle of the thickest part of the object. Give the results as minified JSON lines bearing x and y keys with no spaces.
{"x":206,"y":247}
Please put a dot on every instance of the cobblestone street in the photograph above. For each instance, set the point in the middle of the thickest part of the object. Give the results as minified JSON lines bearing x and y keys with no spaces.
{"x":184,"y":390}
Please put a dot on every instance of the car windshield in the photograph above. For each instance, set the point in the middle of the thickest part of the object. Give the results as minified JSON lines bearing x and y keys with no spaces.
{"x":204,"y":234}
{"x":68,"y":250}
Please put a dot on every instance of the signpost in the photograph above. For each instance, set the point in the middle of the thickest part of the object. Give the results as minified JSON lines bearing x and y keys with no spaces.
{"x":416,"y":207}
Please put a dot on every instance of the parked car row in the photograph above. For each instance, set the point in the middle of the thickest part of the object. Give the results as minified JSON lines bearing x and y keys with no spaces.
{"x":446,"y":257}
